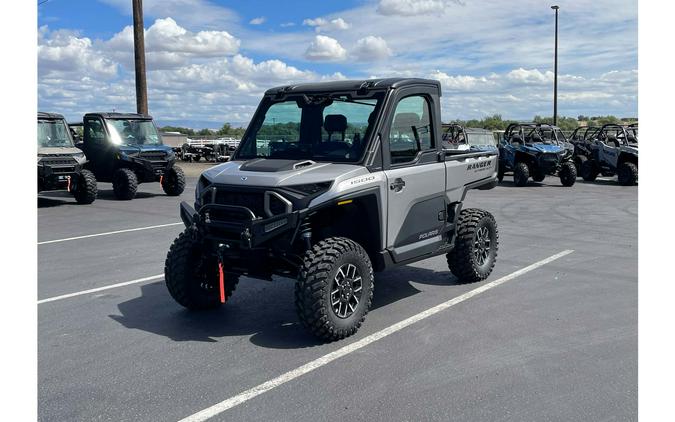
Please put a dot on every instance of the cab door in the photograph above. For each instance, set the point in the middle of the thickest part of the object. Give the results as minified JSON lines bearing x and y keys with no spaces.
{"x":415,"y":179}
{"x":97,"y":148}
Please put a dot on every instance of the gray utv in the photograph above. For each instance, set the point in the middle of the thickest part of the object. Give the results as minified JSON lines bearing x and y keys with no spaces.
{"x":332,"y":182}
{"x":613,"y":150}
{"x":60,"y":163}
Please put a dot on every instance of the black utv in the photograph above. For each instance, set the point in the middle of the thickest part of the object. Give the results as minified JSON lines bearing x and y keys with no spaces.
{"x":59,"y":162}
{"x":126,"y":149}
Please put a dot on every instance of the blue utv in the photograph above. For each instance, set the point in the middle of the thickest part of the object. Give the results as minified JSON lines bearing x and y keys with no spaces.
{"x":536,"y":150}
{"x":126,"y":150}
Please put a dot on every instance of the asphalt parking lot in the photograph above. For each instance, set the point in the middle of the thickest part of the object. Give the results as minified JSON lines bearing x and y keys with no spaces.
{"x":559,"y":342}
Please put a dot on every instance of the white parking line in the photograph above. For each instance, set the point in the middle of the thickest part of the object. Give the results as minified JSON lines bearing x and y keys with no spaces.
{"x":108,"y":233}
{"x":224,"y":405}
{"x":98,"y":289}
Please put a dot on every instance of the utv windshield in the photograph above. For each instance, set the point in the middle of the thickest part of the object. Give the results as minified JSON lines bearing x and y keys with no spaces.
{"x":53,"y":133}
{"x":324,"y":127}
{"x":480,"y":138}
{"x":133,"y":132}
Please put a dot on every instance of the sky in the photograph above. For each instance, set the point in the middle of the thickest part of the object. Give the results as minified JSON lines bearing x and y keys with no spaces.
{"x":210,"y":61}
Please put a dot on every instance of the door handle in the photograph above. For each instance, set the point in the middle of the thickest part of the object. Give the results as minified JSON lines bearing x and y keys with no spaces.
{"x":397,"y":185}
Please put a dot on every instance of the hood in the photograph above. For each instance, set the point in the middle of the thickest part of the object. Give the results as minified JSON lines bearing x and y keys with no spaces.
{"x":132,"y":149}
{"x":59,"y":150}
{"x":270,"y":173}
{"x":547,"y":148}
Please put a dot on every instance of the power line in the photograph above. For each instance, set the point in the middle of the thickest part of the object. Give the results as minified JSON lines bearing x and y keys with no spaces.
{"x":43,"y":2}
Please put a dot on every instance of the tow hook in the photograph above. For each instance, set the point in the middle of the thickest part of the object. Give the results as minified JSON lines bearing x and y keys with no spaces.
{"x":246,"y":237}
{"x":221,"y":274}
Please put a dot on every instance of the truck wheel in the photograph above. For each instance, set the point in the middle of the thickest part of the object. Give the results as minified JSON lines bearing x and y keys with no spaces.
{"x":334,"y":289}
{"x":589,"y":170}
{"x":476,"y":244}
{"x":520,"y":174}
{"x":173,"y":181}
{"x":86,"y":188}
{"x":538,"y":177}
{"x":567,"y":173}
{"x":197,"y":157}
{"x":192,"y":276}
{"x":628,"y":174}
{"x":500,"y":173}
{"x":124,"y":184}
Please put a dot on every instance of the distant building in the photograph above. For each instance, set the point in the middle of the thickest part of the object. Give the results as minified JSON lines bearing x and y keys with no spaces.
{"x":173,"y":139}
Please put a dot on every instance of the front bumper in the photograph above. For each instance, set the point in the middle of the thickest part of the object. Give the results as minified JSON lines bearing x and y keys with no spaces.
{"x":237,"y":226}
{"x":51,"y":177}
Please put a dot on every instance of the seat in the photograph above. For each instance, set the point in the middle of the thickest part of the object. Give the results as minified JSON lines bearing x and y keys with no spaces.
{"x":335,"y":123}
{"x":611,"y":140}
{"x":516,"y":140}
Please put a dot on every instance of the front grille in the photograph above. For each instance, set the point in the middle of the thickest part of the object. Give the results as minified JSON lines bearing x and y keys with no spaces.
{"x":255,"y":201}
{"x":59,"y":161}
{"x":153,"y":156}
{"x":63,"y":170}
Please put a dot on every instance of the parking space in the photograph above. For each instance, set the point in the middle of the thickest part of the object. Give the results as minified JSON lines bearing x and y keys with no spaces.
{"x":556,"y":343}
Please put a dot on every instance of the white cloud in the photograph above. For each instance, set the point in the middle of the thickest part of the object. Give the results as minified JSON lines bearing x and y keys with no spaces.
{"x":63,"y":54}
{"x":460,"y":82}
{"x":321,"y":24}
{"x":325,"y":48}
{"x":287,"y":24}
{"x":371,"y":48}
{"x":531,"y":76}
{"x":257,"y":21}
{"x":168,"y":45}
{"x":414,"y":7}
{"x":167,"y":35}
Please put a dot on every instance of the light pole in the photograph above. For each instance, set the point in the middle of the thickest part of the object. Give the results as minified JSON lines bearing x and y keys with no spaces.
{"x":555,"y":70}
{"x":139,"y":58}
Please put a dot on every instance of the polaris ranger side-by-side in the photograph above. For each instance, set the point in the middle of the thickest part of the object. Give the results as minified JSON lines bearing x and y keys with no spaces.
{"x":332,"y":182}
{"x":126,"y":149}
{"x":59,"y":162}
{"x":536,"y":150}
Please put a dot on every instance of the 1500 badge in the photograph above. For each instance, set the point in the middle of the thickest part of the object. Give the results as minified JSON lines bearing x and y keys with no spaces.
{"x":362,"y":180}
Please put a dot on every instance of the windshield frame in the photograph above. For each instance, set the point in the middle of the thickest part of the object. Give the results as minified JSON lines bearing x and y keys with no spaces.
{"x":113,"y":133}
{"x":71,"y":142}
{"x":380,"y":96}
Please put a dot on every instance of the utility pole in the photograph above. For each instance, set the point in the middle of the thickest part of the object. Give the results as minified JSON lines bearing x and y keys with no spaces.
{"x":555,"y":70}
{"x":139,"y":58}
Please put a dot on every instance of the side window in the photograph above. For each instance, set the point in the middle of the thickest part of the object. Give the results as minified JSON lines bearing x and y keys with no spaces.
{"x":410,"y":130}
{"x":94,"y":131}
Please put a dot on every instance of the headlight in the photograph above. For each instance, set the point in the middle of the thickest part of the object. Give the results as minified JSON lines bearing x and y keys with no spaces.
{"x":310,"y":188}
{"x":201,"y":185}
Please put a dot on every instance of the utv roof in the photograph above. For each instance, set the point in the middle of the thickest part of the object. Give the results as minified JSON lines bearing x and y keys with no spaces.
{"x":466,"y":129}
{"x":533,"y":124}
{"x":121,"y":116}
{"x":50,"y":116}
{"x":352,"y":85}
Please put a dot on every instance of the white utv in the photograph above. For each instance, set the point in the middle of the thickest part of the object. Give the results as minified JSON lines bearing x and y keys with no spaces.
{"x":60,"y":164}
{"x":332,"y":182}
